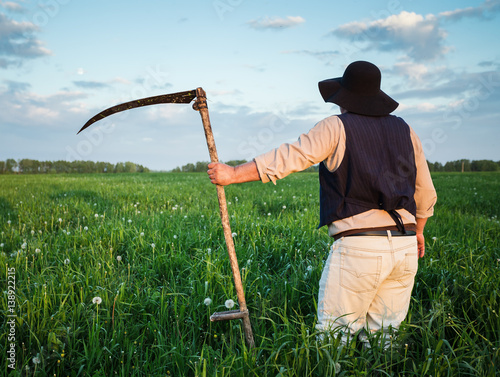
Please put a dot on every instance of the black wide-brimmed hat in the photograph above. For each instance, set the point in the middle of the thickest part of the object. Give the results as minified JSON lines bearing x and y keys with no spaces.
{"x":358,"y":90}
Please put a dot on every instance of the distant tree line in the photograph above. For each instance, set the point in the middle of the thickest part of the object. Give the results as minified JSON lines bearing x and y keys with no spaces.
{"x":464,"y":165}
{"x":28,"y":166}
{"x":451,"y":166}
{"x":202,"y":166}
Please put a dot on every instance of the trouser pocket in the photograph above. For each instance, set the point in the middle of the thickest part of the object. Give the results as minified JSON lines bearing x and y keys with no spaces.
{"x":360,"y":273}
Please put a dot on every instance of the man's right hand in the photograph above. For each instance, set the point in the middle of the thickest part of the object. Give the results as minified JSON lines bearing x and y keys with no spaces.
{"x":220,"y":174}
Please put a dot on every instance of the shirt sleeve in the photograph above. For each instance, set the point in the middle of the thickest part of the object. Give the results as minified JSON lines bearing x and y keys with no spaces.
{"x":425,"y":193}
{"x":320,"y":143}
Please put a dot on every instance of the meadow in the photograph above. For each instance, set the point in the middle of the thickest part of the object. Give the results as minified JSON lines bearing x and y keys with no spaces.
{"x":117,"y":275}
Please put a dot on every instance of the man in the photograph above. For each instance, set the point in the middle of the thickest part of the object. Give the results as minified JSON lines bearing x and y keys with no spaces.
{"x":376,"y":194}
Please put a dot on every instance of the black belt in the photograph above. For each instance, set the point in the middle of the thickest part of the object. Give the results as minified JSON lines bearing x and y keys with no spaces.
{"x":395,"y":233}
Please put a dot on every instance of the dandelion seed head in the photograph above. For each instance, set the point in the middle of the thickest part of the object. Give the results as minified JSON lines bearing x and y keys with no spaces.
{"x":153,"y":245}
{"x":97,"y":300}
{"x":229,"y":304}
{"x":142,"y":234}
{"x":66,"y":261}
{"x":118,"y":258}
{"x":36,"y":360}
{"x":207,"y":301}
{"x":85,"y":228}
{"x":234,"y":234}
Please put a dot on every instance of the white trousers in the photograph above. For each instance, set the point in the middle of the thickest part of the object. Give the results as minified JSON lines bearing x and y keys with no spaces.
{"x":366,"y":283}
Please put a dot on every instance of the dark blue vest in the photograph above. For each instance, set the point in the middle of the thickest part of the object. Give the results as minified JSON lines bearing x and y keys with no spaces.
{"x":377,"y":172}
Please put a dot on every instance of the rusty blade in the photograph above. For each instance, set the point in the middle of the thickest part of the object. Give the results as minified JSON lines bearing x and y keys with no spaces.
{"x":181,"y":97}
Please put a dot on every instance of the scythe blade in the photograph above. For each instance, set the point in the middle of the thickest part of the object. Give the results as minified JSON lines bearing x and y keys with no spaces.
{"x":181,"y":97}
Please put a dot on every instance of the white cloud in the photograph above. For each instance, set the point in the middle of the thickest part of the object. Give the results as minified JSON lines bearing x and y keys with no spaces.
{"x":420,"y":37}
{"x":424,"y":107}
{"x":18,"y":42}
{"x":276,"y":23}
{"x":415,"y":72}
{"x":483,"y":11}
{"x":20,"y":107}
{"x":12,"y":7}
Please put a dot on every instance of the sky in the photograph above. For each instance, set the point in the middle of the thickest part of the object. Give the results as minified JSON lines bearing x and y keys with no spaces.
{"x":259,"y":61}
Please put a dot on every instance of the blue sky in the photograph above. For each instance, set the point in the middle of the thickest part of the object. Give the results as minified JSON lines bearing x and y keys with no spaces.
{"x":62,"y":61}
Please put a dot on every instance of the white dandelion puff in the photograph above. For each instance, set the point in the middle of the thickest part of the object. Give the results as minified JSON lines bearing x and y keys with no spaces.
{"x":118,"y":258}
{"x":66,"y":261}
{"x":207,"y":301}
{"x":229,"y":304}
{"x":97,"y":300}
{"x":36,"y":360}
{"x":234,"y":234}
{"x":85,"y":228}
{"x":153,"y":245}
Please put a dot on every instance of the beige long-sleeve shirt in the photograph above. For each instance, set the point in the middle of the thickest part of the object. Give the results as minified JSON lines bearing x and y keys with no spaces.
{"x":325,"y":143}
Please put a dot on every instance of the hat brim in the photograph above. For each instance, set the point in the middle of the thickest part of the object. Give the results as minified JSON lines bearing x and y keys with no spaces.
{"x":378,"y":104}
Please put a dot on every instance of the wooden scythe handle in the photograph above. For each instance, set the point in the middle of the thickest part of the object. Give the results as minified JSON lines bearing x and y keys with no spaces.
{"x":201,"y":106}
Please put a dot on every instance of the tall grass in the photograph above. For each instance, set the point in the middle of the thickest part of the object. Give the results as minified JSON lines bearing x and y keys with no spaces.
{"x":150,"y":246}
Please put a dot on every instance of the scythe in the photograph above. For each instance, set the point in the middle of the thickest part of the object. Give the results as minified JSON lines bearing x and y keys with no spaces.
{"x":200,"y":105}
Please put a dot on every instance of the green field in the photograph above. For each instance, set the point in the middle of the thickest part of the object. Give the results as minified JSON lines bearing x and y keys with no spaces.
{"x":150,"y":246}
